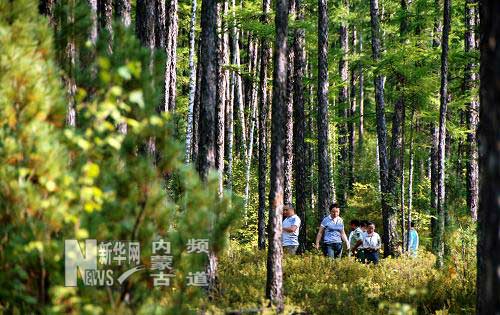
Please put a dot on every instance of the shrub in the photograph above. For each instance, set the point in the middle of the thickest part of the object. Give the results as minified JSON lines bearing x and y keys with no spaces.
{"x":319,"y":285}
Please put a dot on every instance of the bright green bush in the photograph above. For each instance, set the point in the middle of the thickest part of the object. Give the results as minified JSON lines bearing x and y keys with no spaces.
{"x":92,"y":181}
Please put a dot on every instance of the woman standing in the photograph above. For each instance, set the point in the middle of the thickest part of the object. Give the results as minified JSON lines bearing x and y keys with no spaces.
{"x":333,"y":228}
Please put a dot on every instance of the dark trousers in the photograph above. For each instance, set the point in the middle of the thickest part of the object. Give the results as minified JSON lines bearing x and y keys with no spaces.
{"x":372,"y":257}
{"x":333,"y":250}
{"x":290,"y":249}
{"x":360,"y":255}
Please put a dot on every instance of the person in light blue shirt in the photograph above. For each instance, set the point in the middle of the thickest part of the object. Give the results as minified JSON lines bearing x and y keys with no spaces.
{"x":333,"y":228}
{"x":413,"y":240}
{"x":291,"y":226}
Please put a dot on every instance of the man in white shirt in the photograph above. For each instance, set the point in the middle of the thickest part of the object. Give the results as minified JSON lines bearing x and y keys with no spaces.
{"x":291,"y":225}
{"x":372,"y":244}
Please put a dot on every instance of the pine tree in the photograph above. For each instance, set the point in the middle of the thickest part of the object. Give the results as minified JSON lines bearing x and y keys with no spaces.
{"x":274,"y":284}
{"x":488,"y":247}
{"x":324,"y":189}
{"x":388,"y":215}
{"x":263,"y":113}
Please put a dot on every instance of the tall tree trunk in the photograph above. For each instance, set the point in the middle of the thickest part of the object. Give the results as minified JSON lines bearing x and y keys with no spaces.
{"x":274,"y":285}
{"x":442,"y":135}
{"x":160,"y":26}
{"x":88,"y":54}
{"x":263,"y":112}
{"x":145,"y":24}
{"x":237,"y":85}
{"x":311,"y":131}
{"x":410,"y":178}
{"x":192,"y":83}
{"x":488,"y":254}
{"x":69,"y":59}
{"x":395,"y":163}
{"x":388,"y":215}
{"x":472,"y":111}
{"x":377,"y":158}
{"x":361,"y":97}
{"x":352,"y":112}
{"x":106,"y":20}
{"x":434,"y":185}
{"x":253,"y":110}
{"x":324,"y":190}
{"x":299,"y":127}
{"x":208,"y":104}
{"x":196,"y":113}
{"x":122,"y":9}
{"x":288,"y":149}
{"x":208,"y":86}
{"x":433,"y":161}
{"x":343,"y":110}
{"x":145,"y":28}
{"x":171,"y":31}
{"x":402,"y":184}
{"x":223,"y":74}
{"x":93,"y":31}
{"x":229,"y":139}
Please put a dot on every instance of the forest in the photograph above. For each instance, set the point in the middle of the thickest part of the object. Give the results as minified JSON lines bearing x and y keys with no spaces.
{"x":197,"y":156}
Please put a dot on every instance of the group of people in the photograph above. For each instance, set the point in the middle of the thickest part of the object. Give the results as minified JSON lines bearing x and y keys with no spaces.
{"x":363,"y":242}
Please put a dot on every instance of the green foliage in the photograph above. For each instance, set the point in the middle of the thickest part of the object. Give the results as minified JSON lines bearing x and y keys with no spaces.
{"x":319,"y":285}
{"x":35,"y":186}
{"x":94,"y":181}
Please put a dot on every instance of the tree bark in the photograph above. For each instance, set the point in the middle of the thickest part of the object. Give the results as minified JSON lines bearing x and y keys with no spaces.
{"x":410,"y":178}
{"x":263,"y":112}
{"x":361,"y":97}
{"x":208,"y":104}
{"x":311,"y":131}
{"x":68,"y":59}
{"x":208,"y":87}
{"x":171,"y":28}
{"x":160,"y":24}
{"x":196,"y":113}
{"x":237,"y":85}
{"x":274,"y":285}
{"x":472,"y":111}
{"x":88,"y":54}
{"x":122,"y":9}
{"x":93,"y":31}
{"x":351,"y":126}
{"x":145,"y":24}
{"x":299,"y":128}
{"x":229,"y":138}
{"x":343,"y":110}
{"x":324,"y":189}
{"x":192,"y":83}
{"x":288,"y":150}
{"x":442,"y":135}
{"x":433,"y":160}
{"x":223,"y":75}
{"x":106,"y":20}
{"x":395,"y":163}
{"x":388,"y":215}
{"x":434,"y":185}
{"x":253,"y":110}
{"x":488,"y":247}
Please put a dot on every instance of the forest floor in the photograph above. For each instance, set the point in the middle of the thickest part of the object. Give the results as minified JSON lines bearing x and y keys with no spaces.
{"x":314,"y":284}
